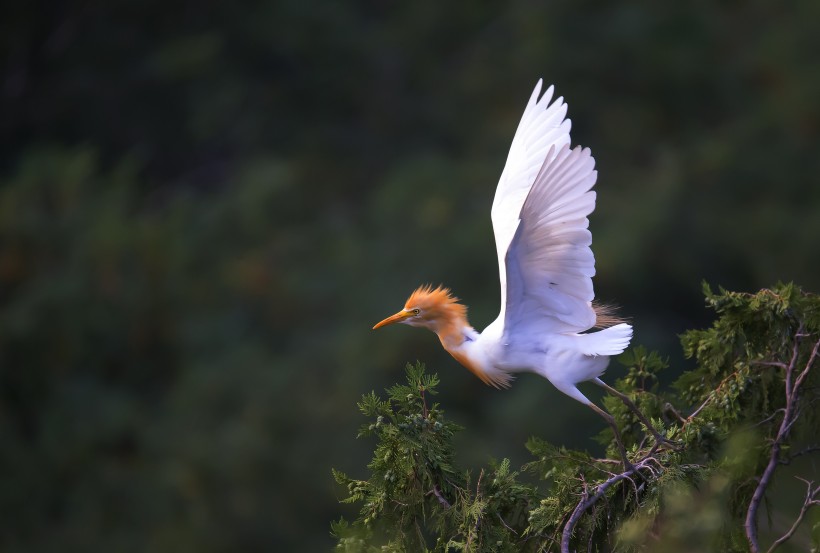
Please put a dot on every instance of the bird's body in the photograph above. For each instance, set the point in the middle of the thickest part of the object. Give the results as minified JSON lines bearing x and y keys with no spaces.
{"x":539,"y":217}
{"x":565,"y":359}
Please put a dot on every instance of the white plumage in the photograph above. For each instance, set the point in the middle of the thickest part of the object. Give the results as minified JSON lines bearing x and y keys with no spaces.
{"x":546,"y":266}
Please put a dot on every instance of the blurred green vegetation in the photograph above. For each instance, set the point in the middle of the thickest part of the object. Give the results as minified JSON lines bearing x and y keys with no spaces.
{"x":205,"y":207}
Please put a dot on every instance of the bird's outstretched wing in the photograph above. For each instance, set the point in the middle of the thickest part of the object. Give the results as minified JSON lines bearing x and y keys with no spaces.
{"x":541,"y":227}
{"x":542,"y":128}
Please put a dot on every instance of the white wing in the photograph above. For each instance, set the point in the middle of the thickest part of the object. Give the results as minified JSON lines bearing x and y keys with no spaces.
{"x":549,"y":262}
{"x":545,"y":261}
{"x":542,"y":129}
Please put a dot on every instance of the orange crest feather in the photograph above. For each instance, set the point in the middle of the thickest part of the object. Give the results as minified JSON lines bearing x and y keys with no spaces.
{"x":438,"y":302}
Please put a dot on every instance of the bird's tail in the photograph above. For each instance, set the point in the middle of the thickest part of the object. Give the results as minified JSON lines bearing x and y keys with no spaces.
{"x":609,"y":341}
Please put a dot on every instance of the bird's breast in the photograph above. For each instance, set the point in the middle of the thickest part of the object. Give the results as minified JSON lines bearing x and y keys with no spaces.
{"x":476,"y":359}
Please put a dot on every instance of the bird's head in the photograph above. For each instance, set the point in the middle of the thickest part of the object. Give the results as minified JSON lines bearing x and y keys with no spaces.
{"x":428,"y":307}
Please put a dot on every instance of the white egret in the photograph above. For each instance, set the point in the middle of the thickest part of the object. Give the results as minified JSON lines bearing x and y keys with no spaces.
{"x":540,"y":222}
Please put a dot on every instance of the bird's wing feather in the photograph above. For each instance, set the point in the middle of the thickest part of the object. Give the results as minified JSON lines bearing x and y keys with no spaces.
{"x":543,"y":129}
{"x":549,"y":263}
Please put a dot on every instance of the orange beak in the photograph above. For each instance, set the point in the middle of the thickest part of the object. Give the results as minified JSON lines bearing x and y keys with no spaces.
{"x":397,"y":318}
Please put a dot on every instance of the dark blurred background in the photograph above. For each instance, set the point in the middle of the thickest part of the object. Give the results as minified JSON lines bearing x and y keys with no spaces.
{"x":205,"y":206}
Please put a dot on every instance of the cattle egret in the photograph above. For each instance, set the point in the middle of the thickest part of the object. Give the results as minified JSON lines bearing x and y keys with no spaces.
{"x":540,"y":222}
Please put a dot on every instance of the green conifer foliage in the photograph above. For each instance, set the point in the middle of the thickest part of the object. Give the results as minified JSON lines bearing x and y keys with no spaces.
{"x":745,"y":414}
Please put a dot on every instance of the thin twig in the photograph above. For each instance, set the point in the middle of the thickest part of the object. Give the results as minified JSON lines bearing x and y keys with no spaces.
{"x":668,"y":407}
{"x":767,"y":419}
{"x":712,"y":395}
{"x":591,"y":464}
{"x":809,"y":363}
{"x":769,"y":364}
{"x":424,"y":412}
{"x":607,"y":462}
{"x":809,"y":501}
{"x":804,"y":451}
{"x":507,"y":526}
{"x":436,"y":491}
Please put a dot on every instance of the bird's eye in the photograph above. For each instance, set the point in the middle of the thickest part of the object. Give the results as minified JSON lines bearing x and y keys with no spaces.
{"x":416,"y":311}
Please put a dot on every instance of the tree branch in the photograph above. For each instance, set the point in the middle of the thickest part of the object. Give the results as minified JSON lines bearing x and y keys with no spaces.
{"x":804,"y":451}
{"x":436,"y":491}
{"x":809,"y":501}
{"x":790,"y":414}
{"x":587,"y":501}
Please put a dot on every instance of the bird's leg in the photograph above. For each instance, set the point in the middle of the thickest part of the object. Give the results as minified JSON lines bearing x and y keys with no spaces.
{"x":659,"y":439}
{"x":618,"y":440}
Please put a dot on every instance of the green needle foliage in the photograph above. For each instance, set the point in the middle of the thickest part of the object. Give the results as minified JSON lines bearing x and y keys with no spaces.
{"x":745,"y":412}
{"x":415,"y":492}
